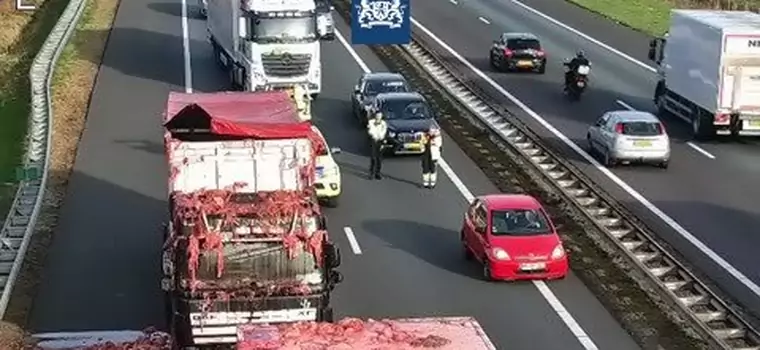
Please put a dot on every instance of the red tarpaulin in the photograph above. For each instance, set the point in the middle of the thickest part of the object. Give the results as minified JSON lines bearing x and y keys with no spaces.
{"x":264,"y":115}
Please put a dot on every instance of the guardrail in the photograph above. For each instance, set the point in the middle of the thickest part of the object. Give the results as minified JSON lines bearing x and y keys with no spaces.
{"x":19,"y":225}
{"x":722,"y":326}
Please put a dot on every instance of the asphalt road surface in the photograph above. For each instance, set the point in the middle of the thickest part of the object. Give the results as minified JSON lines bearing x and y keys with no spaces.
{"x":103,"y":271}
{"x":710,"y":190}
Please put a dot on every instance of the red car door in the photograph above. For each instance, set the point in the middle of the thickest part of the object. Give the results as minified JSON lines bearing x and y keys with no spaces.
{"x":480,"y":225}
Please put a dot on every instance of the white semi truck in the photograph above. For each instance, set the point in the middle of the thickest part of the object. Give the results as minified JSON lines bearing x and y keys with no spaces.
{"x":709,"y":71}
{"x":267,"y":44}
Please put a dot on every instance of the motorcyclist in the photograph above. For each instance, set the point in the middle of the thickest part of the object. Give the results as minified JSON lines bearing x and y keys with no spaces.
{"x":577,"y":61}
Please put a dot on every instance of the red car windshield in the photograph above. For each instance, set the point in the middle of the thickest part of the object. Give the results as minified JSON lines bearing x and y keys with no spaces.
{"x":519,"y":222}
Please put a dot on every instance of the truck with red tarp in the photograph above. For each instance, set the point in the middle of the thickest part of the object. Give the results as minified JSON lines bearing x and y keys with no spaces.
{"x":246,"y":241}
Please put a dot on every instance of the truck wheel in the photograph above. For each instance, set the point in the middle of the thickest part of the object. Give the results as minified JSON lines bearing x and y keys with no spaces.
{"x":327,"y":315}
{"x":702,"y":128}
{"x":314,"y":96}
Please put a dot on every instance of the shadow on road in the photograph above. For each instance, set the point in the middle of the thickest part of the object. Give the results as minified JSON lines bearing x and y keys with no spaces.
{"x":435,"y":245}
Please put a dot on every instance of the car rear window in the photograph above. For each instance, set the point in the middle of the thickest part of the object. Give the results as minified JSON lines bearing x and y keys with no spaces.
{"x":382,"y":86}
{"x":641,"y":129}
{"x":519,"y":222}
{"x":523,"y":44}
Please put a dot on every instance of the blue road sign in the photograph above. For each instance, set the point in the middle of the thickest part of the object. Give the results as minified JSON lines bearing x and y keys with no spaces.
{"x":380,"y":22}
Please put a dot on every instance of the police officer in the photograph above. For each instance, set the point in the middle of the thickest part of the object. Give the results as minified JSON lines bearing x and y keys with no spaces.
{"x":572,"y":66}
{"x":432,"y":142}
{"x":377,"y":129}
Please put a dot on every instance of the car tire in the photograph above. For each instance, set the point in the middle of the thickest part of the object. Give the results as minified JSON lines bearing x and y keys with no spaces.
{"x":492,"y":61}
{"x":542,"y":69}
{"x":332,"y":202}
{"x":589,"y":145}
{"x":664,"y":164}
{"x":609,"y":160}
{"x":465,"y":250}
{"x":487,"y":270}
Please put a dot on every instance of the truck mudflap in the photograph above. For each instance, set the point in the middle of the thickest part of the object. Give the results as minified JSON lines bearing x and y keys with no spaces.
{"x":126,"y":339}
{"x":216,"y":322}
{"x":442,"y":333}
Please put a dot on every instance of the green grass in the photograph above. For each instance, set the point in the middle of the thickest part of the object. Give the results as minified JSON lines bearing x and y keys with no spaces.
{"x":21,"y":36}
{"x":649,"y":16}
{"x":653,"y":16}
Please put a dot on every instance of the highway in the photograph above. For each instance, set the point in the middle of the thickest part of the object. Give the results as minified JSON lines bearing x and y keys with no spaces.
{"x":710,"y":190}
{"x":103,"y":270}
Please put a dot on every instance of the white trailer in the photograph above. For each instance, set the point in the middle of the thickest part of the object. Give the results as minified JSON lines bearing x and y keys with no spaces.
{"x":709,"y":71}
{"x":268,"y":44}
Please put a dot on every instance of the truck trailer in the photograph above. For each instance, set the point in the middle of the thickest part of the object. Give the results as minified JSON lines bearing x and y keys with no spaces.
{"x":709,"y":71}
{"x":269,"y":44}
{"x":246,"y":241}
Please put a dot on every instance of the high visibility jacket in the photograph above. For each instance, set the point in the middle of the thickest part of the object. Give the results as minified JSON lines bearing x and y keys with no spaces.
{"x":377,"y":130}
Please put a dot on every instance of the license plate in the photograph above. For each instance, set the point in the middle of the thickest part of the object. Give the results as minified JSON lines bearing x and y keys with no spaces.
{"x":524,"y":63}
{"x":412,"y":146}
{"x":642,"y":143}
{"x":532,"y":266}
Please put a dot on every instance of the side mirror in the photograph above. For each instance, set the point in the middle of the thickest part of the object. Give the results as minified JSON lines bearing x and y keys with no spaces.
{"x":332,"y":255}
{"x":243,"y":27}
{"x":335,"y":150}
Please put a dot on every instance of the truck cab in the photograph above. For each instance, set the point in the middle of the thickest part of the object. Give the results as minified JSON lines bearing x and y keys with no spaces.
{"x":268,"y":44}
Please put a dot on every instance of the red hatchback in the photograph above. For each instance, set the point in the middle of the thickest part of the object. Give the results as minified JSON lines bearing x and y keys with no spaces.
{"x":514,"y":238}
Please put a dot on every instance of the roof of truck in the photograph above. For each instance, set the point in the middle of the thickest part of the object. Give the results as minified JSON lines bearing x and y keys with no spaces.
{"x":724,"y":19}
{"x":262,"y":115}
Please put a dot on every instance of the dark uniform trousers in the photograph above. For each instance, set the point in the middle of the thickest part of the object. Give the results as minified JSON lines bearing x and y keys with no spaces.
{"x":376,"y":158}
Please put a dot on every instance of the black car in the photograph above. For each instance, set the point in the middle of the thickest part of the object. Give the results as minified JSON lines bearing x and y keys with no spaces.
{"x":518,"y":51}
{"x":409,"y":117}
{"x":371,"y":84}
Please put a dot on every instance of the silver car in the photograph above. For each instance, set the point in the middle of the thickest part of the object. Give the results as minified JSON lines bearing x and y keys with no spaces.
{"x":629,"y":136}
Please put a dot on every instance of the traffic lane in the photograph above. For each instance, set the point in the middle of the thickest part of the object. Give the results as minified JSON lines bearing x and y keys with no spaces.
{"x":102,"y":270}
{"x":736,"y":153}
{"x":420,"y":236}
{"x":665,"y":189}
{"x":625,"y":39}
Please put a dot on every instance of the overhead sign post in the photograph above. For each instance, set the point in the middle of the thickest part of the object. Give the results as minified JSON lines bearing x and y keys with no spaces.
{"x":381,"y":22}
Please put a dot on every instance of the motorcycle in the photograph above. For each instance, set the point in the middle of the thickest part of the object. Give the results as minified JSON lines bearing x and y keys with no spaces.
{"x":578,"y":82}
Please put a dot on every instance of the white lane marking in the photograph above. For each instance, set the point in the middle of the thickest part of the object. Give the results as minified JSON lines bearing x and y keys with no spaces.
{"x":754,"y":288}
{"x":689,"y":143}
{"x":700,"y":150}
{"x":543,"y":289}
{"x":186,"y":49}
{"x":352,"y":240}
{"x":454,"y":2}
{"x":625,"y":105}
{"x":585,"y":36}
{"x":484,"y":20}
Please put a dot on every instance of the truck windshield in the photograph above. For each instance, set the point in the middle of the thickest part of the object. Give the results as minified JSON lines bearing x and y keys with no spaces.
{"x":284,"y":30}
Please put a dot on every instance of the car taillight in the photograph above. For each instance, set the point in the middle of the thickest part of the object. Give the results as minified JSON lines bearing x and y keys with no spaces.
{"x":660,"y":129}
{"x":540,"y":53}
{"x":507,"y":52}
{"x":619,"y":128}
{"x":722,"y":118}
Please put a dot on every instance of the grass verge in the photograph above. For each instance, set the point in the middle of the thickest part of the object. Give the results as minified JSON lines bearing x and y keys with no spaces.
{"x":653,"y":16}
{"x":73,"y":83}
{"x":21,"y":36}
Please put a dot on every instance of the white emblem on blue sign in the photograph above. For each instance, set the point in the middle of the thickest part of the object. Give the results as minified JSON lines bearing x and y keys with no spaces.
{"x":381,"y":13}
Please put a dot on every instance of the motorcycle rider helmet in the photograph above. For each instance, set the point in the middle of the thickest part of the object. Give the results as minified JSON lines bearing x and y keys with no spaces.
{"x":580,"y":54}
